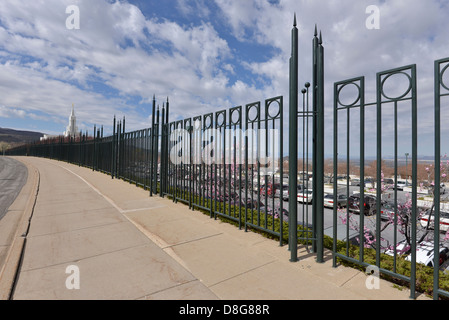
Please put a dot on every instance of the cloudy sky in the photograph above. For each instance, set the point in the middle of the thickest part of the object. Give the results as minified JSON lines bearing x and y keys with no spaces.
{"x":204,"y":55}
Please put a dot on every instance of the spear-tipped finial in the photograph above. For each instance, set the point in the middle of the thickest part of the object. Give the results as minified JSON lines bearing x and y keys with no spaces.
{"x":321,"y":39}
{"x":316,"y":31}
{"x":294,"y":20}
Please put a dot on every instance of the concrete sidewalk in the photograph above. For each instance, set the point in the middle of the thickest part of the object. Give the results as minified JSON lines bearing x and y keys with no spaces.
{"x":127,"y":245}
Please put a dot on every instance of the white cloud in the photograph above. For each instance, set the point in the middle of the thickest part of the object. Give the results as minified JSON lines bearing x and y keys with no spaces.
{"x":121,"y":55}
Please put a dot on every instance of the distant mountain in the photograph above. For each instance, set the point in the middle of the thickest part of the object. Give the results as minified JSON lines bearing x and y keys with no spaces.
{"x":17,"y":137}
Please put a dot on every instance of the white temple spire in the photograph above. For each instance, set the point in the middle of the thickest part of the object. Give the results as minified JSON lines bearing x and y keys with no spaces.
{"x":72,"y":129}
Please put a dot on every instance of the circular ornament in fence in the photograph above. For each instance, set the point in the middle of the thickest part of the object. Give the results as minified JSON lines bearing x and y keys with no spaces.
{"x":253,"y":113}
{"x":273,"y":111}
{"x":444,"y":77}
{"x":398,"y":87}
{"x":235,"y":116}
{"x":208,"y":121}
{"x":197,"y":124}
{"x":220,"y":119}
{"x":345,"y":97}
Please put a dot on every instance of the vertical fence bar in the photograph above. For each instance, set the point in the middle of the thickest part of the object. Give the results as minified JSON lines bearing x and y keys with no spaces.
{"x":362,"y":165}
{"x":281,"y":169}
{"x":414,"y":179}
{"x":208,"y":125}
{"x":153,"y":143}
{"x":379,"y":165}
{"x":437,"y":157}
{"x":334,"y":181}
{"x":162,"y":153}
{"x":315,"y":45}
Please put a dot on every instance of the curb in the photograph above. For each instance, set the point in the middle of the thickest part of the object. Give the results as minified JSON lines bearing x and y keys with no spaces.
{"x":9,"y":271}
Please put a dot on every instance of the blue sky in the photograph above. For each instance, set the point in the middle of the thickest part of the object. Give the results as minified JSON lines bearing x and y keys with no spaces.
{"x":205,"y":55}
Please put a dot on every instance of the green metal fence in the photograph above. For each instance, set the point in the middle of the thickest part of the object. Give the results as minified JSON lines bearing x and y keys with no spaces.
{"x":441,"y":100}
{"x":384,"y":206}
{"x":230,"y":164}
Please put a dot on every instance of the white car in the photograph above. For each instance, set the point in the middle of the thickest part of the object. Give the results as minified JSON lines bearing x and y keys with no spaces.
{"x":282,"y":192}
{"x":444,"y":221}
{"x":342,"y":201}
{"x":400,"y":185}
{"x":305,"y":196}
{"x":424,"y":253}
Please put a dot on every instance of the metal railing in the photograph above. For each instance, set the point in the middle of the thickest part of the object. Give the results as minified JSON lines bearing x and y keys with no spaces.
{"x":393,"y":234}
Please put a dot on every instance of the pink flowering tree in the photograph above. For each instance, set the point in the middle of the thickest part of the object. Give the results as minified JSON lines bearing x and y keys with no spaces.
{"x":444,"y":171}
{"x":352,"y":220}
{"x":402,"y":218}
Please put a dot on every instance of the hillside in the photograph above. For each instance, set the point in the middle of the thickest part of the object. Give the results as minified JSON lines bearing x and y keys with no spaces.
{"x":17,"y":137}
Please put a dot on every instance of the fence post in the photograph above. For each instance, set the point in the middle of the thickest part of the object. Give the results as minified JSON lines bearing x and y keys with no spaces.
{"x":156,"y":151}
{"x":163,"y":159}
{"x":319,"y":170}
{"x":94,"y":148}
{"x":152,"y":145}
{"x":113,"y":149}
{"x":293,"y":147}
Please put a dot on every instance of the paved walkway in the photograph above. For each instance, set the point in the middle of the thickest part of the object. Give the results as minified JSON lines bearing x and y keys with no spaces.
{"x":124,"y":244}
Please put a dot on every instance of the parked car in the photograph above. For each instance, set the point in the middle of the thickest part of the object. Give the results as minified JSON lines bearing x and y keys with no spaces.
{"x":305,"y":196}
{"x":369,"y":183}
{"x":444,"y":220}
{"x":388,"y":182}
{"x":369,"y":204}
{"x":341,"y":201}
{"x":424,"y":253}
{"x":400,"y":185}
{"x":280,"y":191}
{"x":286,"y":191}
{"x":387,"y":211}
{"x":442,"y":188}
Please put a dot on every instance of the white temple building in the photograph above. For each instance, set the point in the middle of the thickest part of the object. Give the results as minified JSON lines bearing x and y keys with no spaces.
{"x":72,"y":129}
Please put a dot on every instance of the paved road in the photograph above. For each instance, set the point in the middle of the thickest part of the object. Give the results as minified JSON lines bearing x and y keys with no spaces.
{"x":13,"y":176}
